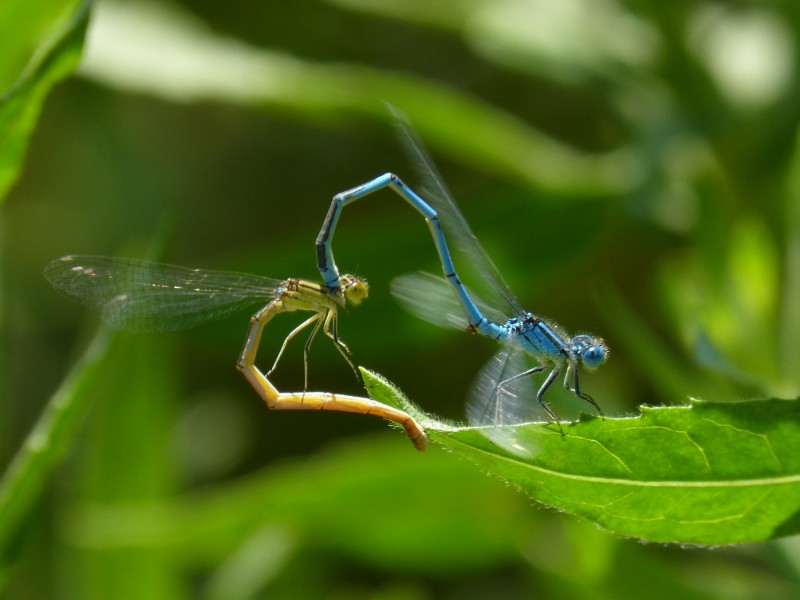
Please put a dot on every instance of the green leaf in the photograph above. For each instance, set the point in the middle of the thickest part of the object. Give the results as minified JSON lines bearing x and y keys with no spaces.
{"x":353,"y":498}
{"x":32,"y":467}
{"x":133,"y":414}
{"x":709,"y":473}
{"x":195,"y":64}
{"x":48,"y":48}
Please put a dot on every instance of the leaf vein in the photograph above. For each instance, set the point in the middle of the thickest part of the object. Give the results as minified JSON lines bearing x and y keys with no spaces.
{"x":789,"y":479}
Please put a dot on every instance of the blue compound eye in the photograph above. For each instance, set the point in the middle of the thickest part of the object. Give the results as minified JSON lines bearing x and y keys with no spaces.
{"x":594,"y":356}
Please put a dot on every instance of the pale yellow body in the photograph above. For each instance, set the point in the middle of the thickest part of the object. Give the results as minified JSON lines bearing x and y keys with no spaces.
{"x":323,"y":301}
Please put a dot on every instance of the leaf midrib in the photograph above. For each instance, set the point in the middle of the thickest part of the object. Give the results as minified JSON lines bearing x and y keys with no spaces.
{"x":765,"y":481}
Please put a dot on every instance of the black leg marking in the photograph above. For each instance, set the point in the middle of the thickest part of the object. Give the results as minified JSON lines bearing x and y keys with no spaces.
{"x":576,"y":389}
{"x":542,"y":390}
{"x":331,"y":329}
{"x":306,"y":350}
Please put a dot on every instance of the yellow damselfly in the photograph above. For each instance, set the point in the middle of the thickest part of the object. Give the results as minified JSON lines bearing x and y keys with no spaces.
{"x":142,"y":296}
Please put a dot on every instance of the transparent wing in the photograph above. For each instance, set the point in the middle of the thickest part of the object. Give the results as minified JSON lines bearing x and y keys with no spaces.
{"x":498,"y":409}
{"x":142,"y":296}
{"x":489,"y":403}
{"x":458,"y":231}
{"x":431,"y":298}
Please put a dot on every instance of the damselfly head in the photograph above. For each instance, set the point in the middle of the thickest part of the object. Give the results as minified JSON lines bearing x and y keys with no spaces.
{"x":591,"y":351}
{"x":354,"y":288}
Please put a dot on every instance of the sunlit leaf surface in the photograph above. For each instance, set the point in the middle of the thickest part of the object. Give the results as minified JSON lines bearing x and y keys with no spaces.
{"x":708,"y":473}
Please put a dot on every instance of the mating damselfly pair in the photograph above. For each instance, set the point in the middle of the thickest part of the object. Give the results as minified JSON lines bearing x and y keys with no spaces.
{"x":149,"y":297}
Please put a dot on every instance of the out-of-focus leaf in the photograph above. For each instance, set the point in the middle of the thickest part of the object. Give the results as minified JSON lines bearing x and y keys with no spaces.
{"x":178,"y":58}
{"x":134,"y":403}
{"x":31,"y":63}
{"x":729,"y":320}
{"x":35,"y":461}
{"x":564,"y":40}
{"x":356,"y":499}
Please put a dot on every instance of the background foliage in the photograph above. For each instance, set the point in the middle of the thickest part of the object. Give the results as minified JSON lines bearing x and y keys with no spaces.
{"x":632,"y":168}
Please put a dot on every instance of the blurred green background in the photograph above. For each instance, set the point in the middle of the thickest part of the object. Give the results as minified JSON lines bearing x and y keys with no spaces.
{"x":631,"y":167}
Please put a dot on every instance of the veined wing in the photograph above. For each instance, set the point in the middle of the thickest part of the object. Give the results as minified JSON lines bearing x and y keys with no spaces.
{"x":431,"y":298}
{"x":499,"y":408}
{"x":489,"y":403}
{"x":142,"y":296}
{"x":458,"y":231}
